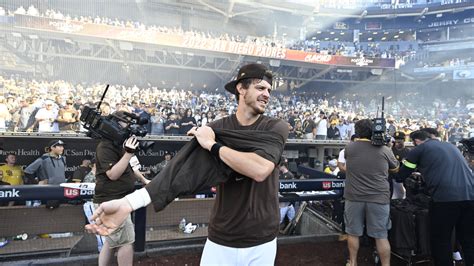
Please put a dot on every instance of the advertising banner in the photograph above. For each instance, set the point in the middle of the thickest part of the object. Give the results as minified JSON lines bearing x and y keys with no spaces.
{"x":76,"y":149}
{"x":460,"y":74}
{"x":193,"y":42}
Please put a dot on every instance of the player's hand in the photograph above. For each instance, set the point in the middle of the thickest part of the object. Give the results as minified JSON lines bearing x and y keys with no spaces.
{"x":204,"y":135}
{"x":109,"y":216}
{"x":131,"y":144}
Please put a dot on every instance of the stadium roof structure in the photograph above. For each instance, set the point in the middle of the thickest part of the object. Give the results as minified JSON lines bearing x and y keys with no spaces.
{"x":257,"y":9}
{"x":52,"y":46}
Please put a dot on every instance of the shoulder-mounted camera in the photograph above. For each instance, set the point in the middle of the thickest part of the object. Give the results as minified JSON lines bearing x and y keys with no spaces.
{"x":380,"y":136}
{"x":116,"y":127}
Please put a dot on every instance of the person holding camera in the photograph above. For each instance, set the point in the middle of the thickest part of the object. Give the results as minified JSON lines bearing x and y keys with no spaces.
{"x":450,"y":183}
{"x":172,"y":125}
{"x":115,"y":178}
{"x":367,"y":192}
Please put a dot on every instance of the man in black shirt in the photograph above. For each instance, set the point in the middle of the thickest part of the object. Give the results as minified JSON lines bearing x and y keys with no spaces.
{"x":309,"y":126}
{"x":172,"y":125}
{"x":450,"y":183}
{"x":82,"y":170}
{"x":400,"y":152}
{"x":333,"y":131}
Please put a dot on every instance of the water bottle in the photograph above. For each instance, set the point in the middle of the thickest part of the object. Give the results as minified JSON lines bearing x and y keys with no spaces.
{"x":3,"y":242}
{"x":23,"y":237}
{"x":182,"y":225}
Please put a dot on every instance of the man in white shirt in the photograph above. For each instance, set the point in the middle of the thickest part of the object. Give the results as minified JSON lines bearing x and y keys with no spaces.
{"x":45,"y":117}
{"x":322,"y":126}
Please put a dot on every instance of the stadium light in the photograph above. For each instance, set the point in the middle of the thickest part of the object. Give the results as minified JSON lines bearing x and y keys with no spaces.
{"x":424,"y":11}
{"x":126,"y":46}
{"x":274,"y":63}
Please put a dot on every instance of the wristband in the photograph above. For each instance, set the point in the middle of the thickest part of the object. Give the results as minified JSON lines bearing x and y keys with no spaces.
{"x":215,"y":149}
{"x":138,"y":199}
{"x":129,"y":150}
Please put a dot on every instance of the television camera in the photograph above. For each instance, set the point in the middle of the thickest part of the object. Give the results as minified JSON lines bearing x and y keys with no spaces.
{"x":109,"y":127}
{"x":379,"y":130}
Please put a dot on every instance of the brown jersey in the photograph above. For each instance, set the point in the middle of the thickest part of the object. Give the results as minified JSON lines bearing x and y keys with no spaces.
{"x":246,"y":212}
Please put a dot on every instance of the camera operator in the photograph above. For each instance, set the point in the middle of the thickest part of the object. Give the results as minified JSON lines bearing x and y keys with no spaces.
{"x":115,"y":179}
{"x":367,"y":191}
{"x":450,"y":183}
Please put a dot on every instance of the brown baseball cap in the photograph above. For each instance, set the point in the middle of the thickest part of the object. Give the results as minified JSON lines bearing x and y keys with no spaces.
{"x":254,"y":70}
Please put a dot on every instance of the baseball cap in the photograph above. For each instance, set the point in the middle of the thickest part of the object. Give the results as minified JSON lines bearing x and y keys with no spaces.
{"x":332,"y":163}
{"x":48,"y":102}
{"x":56,"y":142}
{"x":399,"y":135}
{"x":254,"y":70}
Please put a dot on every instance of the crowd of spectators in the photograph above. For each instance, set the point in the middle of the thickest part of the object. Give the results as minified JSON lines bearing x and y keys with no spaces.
{"x":140,"y":26}
{"x":453,"y":62}
{"x":373,"y":49}
{"x":55,"y":106}
{"x":338,"y":48}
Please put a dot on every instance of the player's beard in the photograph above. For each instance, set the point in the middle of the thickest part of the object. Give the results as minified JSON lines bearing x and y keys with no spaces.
{"x":255,"y":104}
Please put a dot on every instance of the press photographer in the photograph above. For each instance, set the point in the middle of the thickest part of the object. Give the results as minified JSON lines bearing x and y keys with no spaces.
{"x":450,"y":183}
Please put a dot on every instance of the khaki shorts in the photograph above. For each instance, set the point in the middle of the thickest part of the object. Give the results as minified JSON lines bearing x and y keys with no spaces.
{"x":123,"y":235}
